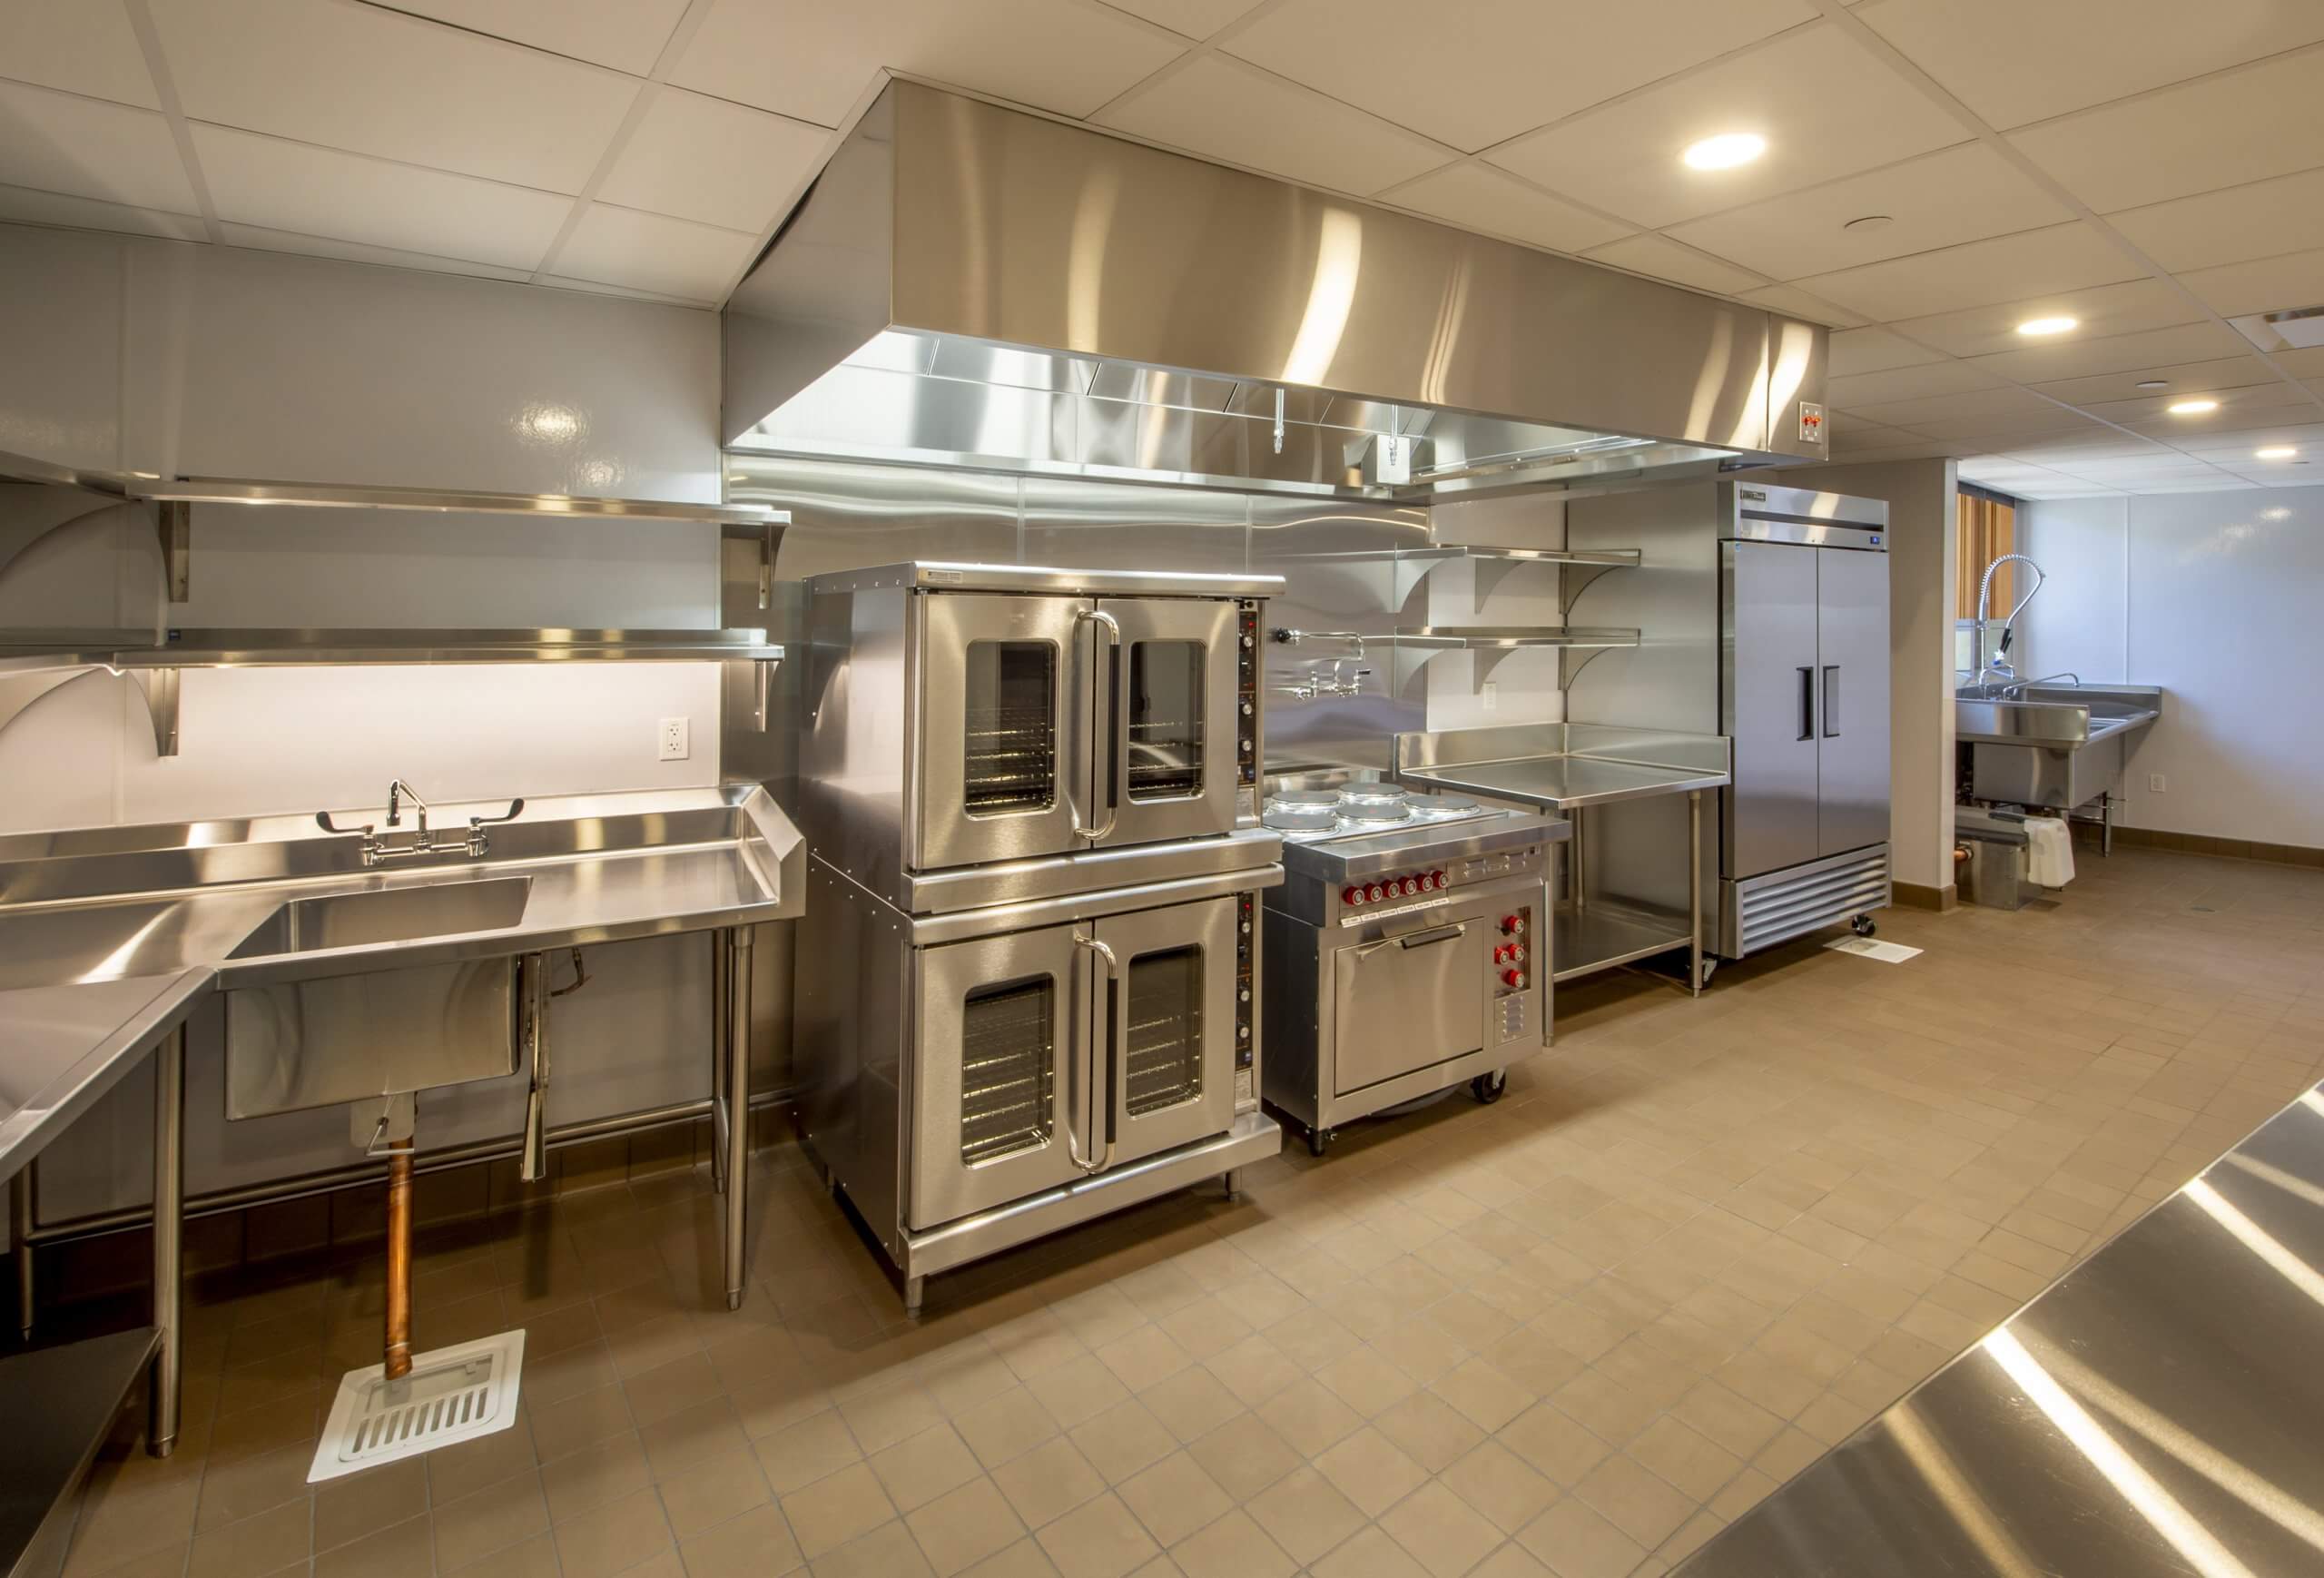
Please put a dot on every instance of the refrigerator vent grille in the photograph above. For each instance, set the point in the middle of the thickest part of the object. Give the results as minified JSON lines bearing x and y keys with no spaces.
{"x":1786,"y":904}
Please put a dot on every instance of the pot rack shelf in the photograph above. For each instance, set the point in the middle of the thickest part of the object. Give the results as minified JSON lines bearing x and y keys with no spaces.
{"x":1416,"y":647}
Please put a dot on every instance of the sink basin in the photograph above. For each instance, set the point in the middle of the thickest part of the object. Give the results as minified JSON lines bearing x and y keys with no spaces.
{"x":387,"y":915}
{"x":2059,"y":746}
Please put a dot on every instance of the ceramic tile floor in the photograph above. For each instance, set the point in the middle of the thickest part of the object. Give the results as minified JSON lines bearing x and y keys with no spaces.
{"x":1573,"y":1333}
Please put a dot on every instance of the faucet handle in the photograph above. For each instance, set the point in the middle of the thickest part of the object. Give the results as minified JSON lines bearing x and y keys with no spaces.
{"x":323,"y":820}
{"x":479,"y":841}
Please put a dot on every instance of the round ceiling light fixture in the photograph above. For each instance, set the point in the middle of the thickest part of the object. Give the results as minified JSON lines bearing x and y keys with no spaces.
{"x":1868,"y":223}
{"x":2276,"y":452}
{"x":2038,"y":326}
{"x":2191,"y":407}
{"x":1724,"y":151}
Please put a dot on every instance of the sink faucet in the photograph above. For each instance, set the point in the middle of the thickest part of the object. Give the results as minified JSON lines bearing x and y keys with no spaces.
{"x":2000,"y":663}
{"x":379,"y":848}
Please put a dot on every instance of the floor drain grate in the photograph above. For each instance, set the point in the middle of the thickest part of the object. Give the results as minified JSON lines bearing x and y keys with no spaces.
{"x":454,"y":1393}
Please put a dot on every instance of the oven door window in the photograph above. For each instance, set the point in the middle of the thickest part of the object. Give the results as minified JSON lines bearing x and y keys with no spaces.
{"x":1164,"y":725}
{"x":1162,"y":1066}
{"x":1010,"y":735}
{"x":1007,"y":1069}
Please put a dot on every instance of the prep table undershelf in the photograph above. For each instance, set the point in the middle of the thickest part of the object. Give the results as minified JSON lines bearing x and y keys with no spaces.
{"x":66,"y":1399}
{"x":1606,"y":933}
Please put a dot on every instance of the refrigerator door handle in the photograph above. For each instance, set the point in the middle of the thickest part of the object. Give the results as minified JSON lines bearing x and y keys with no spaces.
{"x":1831,"y":700}
{"x":1808,"y":702}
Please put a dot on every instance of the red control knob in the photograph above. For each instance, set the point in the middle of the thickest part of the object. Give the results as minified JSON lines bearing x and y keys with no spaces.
{"x":1412,"y":885}
{"x":1436,"y":880}
{"x":1501,"y":956}
{"x":1516,"y":955}
{"x":1374,"y":893}
{"x":1351,"y":895}
{"x":1512,"y":978}
{"x":1514,"y":924}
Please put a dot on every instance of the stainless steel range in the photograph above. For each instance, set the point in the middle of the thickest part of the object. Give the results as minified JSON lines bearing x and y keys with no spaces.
{"x":1407,"y":951}
{"x":1029,"y":994}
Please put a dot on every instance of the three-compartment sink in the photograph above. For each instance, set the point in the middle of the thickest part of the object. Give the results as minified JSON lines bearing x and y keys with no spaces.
{"x":387,"y":915}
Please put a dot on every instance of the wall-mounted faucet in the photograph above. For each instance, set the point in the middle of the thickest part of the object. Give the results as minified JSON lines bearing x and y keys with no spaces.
{"x":2000,"y":663}
{"x":379,"y":848}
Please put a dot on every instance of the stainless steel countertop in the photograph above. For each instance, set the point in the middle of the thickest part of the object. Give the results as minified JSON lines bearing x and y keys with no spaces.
{"x":599,"y":870}
{"x":2153,"y":1412}
{"x":1564,"y":782}
{"x":63,"y":1047}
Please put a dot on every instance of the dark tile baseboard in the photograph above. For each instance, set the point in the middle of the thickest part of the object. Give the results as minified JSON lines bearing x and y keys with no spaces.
{"x":1919,"y":896}
{"x":2299,"y":854}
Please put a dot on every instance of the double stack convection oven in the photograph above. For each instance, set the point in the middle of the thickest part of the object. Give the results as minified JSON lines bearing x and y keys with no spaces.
{"x":1028,"y":994}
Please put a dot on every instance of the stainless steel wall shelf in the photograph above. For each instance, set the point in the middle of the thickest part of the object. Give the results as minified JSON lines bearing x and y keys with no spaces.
{"x":356,"y":496}
{"x":1414,"y":646}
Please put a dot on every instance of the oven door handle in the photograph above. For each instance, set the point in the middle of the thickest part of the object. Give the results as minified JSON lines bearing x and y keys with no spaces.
{"x":1111,"y":771}
{"x":1434,"y":935}
{"x":1113,"y":1007}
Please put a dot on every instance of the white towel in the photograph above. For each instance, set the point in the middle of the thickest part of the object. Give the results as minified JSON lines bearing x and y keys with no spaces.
{"x":2049,"y":855}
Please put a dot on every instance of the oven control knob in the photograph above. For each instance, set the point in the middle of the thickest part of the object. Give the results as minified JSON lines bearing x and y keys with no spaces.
{"x":1516,"y":955}
{"x":1351,"y":895}
{"x":1436,"y":880}
{"x":1375,"y":892}
{"x":1412,"y":885}
{"x":1512,"y":978}
{"x":1514,"y":925}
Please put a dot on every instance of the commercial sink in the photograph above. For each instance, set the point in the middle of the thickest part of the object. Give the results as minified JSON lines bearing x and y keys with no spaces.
{"x":387,"y":915}
{"x":2054,"y":746}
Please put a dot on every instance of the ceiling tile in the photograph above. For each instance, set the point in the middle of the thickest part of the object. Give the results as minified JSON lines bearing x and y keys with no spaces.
{"x":82,"y":47}
{"x":1981,"y":427}
{"x":1825,"y":108}
{"x":23,"y":206}
{"x":2262,"y":121}
{"x":1473,"y":75}
{"x":2304,"y":362}
{"x":1798,"y":304}
{"x":2261,"y":285}
{"x":813,"y":60}
{"x":1957,"y":194}
{"x":372,"y":81}
{"x":87,"y":148}
{"x":1995,"y":407}
{"x":2080,"y":358}
{"x":625,"y":35}
{"x":670,"y":257}
{"x":1223,"y":109}
{"x":599,"y":287}
{"x":1189,"y":18}
{"x":275,"y":184}
{"x":2013,"y":62}
{"x":2264,"y":402}
{"x":2103,"y":310}
{"x":1900,"y":384}
{"x":706,"y":159}
{"x":1666,"y":260}
{"x":1478,"y":198}
{"x":275,"y":241}
{"x":1855,"y":351}
{"x":2264,"y":219}
{"x":2187,"y":377}
{"x":2011,"y":268}
{"x":2230,"y":425}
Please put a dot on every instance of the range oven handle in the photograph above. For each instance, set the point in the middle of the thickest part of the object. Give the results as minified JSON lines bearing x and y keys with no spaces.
{"x":1111,"y":742}
{"x":1113,"y":1010}
{"x":1434,"y":935}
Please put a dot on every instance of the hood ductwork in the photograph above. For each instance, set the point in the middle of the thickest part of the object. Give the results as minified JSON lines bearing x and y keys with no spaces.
{"x":972,"y":286}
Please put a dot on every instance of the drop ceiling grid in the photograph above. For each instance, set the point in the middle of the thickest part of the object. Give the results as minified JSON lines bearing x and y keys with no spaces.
{"x":1996,"y":214}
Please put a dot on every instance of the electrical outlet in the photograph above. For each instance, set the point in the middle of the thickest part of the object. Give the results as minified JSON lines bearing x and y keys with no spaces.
{"x":1490,"y":694}
{"x":672,"y":739}
{"x":2155,"y":782}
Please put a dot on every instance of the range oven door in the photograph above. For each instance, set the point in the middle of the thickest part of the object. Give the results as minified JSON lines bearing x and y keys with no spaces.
{"x":1166,"y":1026}
{"x":1167,"y":723}
{"x":1000,"y":732}
{"x":1001,"y":1039}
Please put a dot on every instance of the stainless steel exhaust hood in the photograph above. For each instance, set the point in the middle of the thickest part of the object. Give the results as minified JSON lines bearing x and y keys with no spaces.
{"x":968,"y":285}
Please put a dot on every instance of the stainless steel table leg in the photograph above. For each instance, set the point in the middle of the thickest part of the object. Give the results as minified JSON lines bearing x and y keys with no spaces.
{"x":915,"y":1288}
{"x":169,"y":1227}
{"x":1695,"y":892}
{"x":738,"y":1105}
{"x":721,"y":1043}
{"x":2106,"y":824}
{"x":23,"y":1205}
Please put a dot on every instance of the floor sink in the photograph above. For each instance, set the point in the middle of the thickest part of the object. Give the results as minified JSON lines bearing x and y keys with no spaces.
{"x":387,"y":915}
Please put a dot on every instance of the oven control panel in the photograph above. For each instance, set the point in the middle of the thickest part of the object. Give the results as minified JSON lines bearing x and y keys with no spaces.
{"x":1248,"y":661}
{"x":1515,"y":955}
{"x":1358,"y":903}
{"x":1388,"y":889}
{"x":1247,"y":1030}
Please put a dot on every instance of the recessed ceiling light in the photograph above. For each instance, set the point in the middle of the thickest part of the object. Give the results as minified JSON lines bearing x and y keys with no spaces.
{"x":2153,"y":383}
{"x":1869,"y":222}
{"x":2276,"y":452}
{"x":1725,"y":150}
{"x":2049,"y":325}
{"x":2191,"y":407}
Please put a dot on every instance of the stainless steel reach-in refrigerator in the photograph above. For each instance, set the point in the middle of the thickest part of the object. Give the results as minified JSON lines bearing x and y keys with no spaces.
{"x":1763,"y":614}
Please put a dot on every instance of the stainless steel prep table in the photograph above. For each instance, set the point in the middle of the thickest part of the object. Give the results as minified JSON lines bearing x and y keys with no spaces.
{"x":109,"y":939}
{"x":1571,"y":768}
{"x":2153,"y":1412}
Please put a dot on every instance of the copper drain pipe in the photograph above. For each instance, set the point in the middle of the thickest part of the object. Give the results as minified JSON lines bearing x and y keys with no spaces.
{"x":398,"y":1303}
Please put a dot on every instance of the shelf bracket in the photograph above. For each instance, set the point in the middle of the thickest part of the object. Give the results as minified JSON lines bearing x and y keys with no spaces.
{"x":173,"y":524}
{"x":1490,"y":573}
{"x":159,"y":687}
{"x":1570,"y":588}
{"x":19,"y":691}
{"x":1568,"y":671}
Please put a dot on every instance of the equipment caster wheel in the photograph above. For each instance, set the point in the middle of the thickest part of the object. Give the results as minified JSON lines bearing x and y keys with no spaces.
{"x":1489,"y":1088}
{"x":1319,"y":1141}
{"x":1862,"y":925}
